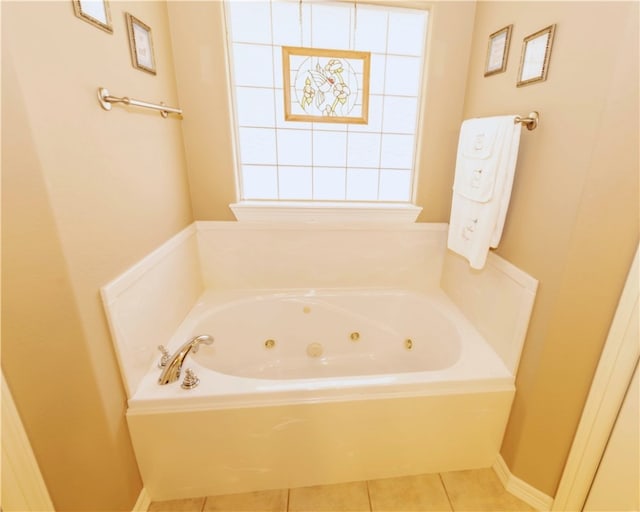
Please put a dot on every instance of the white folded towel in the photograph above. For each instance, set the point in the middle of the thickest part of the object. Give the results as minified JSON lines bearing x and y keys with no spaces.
{"x":485,"y":168}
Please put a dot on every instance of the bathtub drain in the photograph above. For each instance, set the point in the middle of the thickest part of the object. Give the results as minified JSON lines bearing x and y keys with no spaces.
{"x":314,"y":349}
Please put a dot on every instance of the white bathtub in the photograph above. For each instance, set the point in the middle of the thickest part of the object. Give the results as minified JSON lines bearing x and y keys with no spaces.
{"x":275,"y":347}
{"x":365,"y":408}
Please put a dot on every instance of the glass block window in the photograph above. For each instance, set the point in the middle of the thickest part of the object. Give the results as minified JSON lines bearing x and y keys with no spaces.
{"x":319,"y":161}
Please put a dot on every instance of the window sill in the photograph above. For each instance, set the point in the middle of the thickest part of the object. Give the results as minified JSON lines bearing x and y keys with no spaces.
{"x":330,"y":212}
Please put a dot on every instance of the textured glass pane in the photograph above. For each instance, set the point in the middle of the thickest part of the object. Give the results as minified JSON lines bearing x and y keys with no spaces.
{"x":255,"y":107}
{"x":406,"y":33}
{"x":328,"y":183}
{"x":250,"y":22}
{"x":330,"y":26}
{"x":402,"y":76}
{"x":400,"y":114}
{"x":397,"y":151}
{"x":286,"y":23}
{"x":363,"y":150}
{"x":395,"y":185}
{"x":259,"y":182}
{"x":330,"y":148}
{"x":252,"y":65}
{"x":294,"y":147}
{"x":370,"y":25}
{"x":257,"y":146}
{"x":294,"y":182}
{"x":362,"y":184}
{"x":376,"y":74}
{"x":277,"y":67}
{"x":375,"y":117}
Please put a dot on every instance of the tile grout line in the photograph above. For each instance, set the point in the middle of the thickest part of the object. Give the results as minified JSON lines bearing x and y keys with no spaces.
{"x":288,"y":498}
{"x":446,"y":492}
{"x":369,"y":496}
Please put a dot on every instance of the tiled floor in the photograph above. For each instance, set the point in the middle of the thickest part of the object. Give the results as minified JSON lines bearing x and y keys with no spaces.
{"x":459,"y":491}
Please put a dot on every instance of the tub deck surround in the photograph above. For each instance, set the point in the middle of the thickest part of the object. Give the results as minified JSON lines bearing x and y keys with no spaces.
{"x":337,"y":356}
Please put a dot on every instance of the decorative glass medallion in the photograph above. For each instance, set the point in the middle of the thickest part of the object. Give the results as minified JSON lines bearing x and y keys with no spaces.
{"x":327,"y":86}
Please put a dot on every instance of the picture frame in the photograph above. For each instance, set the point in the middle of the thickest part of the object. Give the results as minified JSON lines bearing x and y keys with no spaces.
{"x":95,"y":12}
{"x":326,"y":86}
{"x":140,"y":44}
{"x":498,"y":51}
{"x":536,"y":53}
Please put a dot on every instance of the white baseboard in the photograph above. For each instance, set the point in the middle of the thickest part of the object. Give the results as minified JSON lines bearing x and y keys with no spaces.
{"x":521,"y":489}
{"x":143,"y":502}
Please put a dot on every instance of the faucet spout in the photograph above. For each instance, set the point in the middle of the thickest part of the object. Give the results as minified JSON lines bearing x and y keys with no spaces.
{"x":172,"y":370}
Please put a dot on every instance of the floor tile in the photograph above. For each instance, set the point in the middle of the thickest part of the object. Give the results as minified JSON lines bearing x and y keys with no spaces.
{"x":409,"y":493}
{"x":351,"y":497}
{"x":259,"y":501}
{"x":186,"y":505}
{"x":480,"y":490}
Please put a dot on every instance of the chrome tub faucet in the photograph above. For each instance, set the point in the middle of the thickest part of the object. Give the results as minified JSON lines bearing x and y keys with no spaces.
{"x":172,"y":369}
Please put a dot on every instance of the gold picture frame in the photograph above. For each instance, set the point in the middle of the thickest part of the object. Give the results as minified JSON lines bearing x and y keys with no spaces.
{"x":96,"y":12}
{"x":536,"y":53}
{"x":326,"y":86}
{"x":140,"y":44}
{"x":498,"y":51}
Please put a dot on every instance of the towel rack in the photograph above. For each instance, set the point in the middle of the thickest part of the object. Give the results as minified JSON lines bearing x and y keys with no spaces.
{"x":106,"y":100}
{"x":531,"y":121}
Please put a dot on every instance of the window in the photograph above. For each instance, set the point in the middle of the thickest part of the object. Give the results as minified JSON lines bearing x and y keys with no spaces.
{"x":319,"y":161}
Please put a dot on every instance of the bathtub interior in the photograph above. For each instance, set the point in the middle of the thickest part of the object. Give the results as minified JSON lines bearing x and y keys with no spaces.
{"x":324,"y":333}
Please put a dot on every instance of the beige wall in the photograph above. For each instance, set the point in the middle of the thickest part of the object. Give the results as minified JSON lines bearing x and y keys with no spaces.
{"x":573,"y":218}
{"x":198,"y":36}
{"x":85,"y":194}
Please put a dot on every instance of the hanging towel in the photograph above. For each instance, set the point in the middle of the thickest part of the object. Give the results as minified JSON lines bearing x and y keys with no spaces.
{"x":485,"y":168}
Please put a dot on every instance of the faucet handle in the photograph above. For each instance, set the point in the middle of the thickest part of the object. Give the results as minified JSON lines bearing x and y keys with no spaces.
{"x":165,"y":357}
{"x":190,"y":379}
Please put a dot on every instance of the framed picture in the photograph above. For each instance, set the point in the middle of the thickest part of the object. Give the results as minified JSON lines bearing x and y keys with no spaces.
{"x":325,"y":86}
{"x":141,"y":45}
{"x":498,"y":51}
{"x":536,"y":52}
{"x":95,"y":12}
